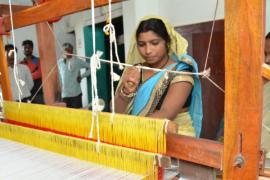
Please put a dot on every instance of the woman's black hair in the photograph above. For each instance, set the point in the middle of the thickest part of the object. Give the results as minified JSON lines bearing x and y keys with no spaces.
{"x":267,"y":36}
{"x":155,"y":25}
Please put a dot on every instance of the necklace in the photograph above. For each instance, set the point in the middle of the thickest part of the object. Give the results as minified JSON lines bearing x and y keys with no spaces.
{"x":165,"y":63}
{"x":143,"y":74}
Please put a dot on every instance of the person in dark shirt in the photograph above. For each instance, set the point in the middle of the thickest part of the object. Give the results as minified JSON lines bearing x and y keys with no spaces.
{"x":33,"y":63}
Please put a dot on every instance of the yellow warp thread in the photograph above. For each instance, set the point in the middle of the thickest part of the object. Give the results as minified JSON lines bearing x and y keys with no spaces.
{"x":142,"y":133}
{"x":134,"y":161}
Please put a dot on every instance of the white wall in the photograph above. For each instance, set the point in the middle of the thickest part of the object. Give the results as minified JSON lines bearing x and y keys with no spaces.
{"x":182,"y":12}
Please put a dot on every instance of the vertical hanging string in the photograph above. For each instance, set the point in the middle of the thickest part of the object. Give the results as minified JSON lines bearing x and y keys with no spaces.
{"x":92,"y":72}
{"x":207,"y":72}
{"x":15,"y":69}
{"x":211,"y":36}
{"x":111,"y":64}
{"x":110,"y":30}
{"x":94,"y":65}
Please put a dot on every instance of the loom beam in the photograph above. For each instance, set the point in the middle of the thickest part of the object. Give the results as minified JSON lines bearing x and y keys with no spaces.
{"x":199,"y":151}
{"x":49,"y":10}
{"x":4,"y":9}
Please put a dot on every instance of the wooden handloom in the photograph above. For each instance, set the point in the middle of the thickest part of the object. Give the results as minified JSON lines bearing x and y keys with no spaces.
{"x":244,"y":37}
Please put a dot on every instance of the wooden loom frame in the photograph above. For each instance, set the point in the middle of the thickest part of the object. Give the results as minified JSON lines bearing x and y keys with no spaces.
{"x":244,"y":44}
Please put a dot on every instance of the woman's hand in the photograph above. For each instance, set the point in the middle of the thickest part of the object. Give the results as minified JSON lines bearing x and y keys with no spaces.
{"x":131,"y":80}
{"x":129,"y":85}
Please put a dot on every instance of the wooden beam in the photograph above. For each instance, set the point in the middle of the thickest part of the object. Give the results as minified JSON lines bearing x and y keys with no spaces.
{"x":4,"y":8}
{"x":48,"y":61}
{"x":49,"y":10}
{"x":4,"y":79}
{"x":244,"y":37}
{"x":200,"y":151}
{"x":266,"y":71}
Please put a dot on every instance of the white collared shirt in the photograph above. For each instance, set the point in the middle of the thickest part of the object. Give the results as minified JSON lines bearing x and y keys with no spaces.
{"x":25,"y":81}
{"x":68,"y":73}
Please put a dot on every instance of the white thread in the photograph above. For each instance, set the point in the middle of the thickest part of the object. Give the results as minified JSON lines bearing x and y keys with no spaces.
{"x":26,"y":162}
{"x":205,"y":73}
{"x":158,"y":158}
{"x":93,"y":70}
{"x":15,"y":69}
{"x":166,"y":76}
{"x":116,"y":77}
{"x":44,"y":81}
{"x":166,"y":125}
{"x":143,"y":67}
{"x":266,"y":127}
{"x":211,"y":35}
{"x":94,"y":65}
{"x":215,"y":84}
{"x":109,"y":28}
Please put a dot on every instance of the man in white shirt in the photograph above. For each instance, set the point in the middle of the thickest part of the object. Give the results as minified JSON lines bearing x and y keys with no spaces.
{"x":24,"y":82}
{"x":70,"y":77}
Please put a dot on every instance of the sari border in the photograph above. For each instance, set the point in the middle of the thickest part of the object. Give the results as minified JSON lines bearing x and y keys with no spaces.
{"x":148,"y":106}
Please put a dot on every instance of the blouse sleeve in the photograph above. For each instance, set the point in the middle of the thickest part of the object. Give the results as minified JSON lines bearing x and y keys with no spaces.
{"x":183,"y":78}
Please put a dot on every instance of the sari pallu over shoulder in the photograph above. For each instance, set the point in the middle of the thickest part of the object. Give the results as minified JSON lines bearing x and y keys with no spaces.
{"x":144,"y":102}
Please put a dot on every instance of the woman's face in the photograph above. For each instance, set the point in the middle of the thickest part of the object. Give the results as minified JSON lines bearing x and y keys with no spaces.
{"x":152,"y":48}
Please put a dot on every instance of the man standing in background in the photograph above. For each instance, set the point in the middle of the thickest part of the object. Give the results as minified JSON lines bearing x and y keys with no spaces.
{"x":33,"y":64}
{"x":70,"y":77}
{"x":23,"y":82}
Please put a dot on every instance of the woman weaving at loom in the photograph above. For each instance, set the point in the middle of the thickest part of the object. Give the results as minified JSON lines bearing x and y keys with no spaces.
{"x":166,"y":95}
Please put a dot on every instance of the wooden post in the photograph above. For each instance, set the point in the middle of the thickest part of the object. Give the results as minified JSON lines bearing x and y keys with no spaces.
{"x":48,"y":60}
{"x":4,"y":79}
{"x":244,"y":37}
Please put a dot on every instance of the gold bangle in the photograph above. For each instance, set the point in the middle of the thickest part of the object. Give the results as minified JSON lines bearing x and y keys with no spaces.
{"x":126,"y":95}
